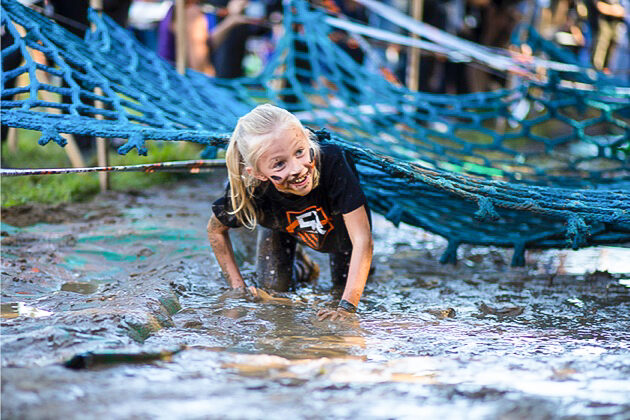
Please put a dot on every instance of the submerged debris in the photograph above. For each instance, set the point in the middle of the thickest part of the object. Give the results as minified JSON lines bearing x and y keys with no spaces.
{"x":442,"y":313}
{"x":500,"y":312}
{"x":90,"y":359}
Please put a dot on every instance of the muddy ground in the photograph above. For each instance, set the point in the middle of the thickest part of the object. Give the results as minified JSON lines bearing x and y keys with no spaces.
{"x":127,"y":276}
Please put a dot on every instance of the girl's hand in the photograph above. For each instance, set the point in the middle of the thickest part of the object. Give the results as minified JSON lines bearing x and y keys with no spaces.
{"x":250,"y":293}
{"x":338,"y":314}
{"x":259,"y":295}
{"x":253,"y":291}
{"x":235,"y":293}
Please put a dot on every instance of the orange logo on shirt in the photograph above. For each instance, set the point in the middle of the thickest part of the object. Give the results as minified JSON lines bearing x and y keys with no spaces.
{"x":311,"y":225}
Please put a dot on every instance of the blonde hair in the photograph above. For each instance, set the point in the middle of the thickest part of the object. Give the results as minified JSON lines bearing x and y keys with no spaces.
{"x":245,"y":149}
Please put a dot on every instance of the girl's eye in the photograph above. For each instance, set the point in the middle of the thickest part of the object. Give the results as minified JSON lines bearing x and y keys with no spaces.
{"x":278,"y":165}
{"x":299,"y":152}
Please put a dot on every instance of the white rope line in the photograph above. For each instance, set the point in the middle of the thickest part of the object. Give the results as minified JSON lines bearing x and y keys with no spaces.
{"x":394,"y":38}
{"x":465,"y":47}
{"x":192,"y":166}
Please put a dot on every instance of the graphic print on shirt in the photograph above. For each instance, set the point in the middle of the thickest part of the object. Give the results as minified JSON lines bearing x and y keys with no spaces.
{"x":311,"y":225}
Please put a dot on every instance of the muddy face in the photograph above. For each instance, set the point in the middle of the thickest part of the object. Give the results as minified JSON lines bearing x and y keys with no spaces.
{"x":288,"y":161}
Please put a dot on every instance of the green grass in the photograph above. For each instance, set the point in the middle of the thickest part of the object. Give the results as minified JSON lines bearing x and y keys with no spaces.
{"x":53,"y":189}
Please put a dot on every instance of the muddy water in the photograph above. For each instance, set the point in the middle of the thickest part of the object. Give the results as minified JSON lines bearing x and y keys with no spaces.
{"x":134,"y":274}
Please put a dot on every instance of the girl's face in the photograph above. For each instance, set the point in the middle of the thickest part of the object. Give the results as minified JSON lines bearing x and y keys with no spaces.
{"x":287,"y":162}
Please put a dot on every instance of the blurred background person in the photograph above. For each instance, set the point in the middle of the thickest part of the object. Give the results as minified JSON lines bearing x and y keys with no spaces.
{"x":73,"y":13}
{"x":144,"y":19}
{"x":610,"y":28}
{"x":202,"y":36}
{"x":620,"y":59}
{"x":229,"y":55}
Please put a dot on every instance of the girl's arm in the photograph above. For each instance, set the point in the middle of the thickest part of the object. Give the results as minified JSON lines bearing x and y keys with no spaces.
{"x":222,"y":247}
{"x":358,"y":226}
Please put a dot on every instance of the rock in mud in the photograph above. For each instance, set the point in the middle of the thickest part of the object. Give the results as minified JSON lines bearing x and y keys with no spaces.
{"x":502,"y":312}
{"x":442,"y":313}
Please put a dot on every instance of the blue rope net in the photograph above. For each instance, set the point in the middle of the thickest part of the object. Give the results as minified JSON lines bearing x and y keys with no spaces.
{"x":549,"y":133}
{"x":544,"y":164}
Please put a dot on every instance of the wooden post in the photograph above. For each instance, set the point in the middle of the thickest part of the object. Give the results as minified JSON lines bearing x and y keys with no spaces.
{"x":101,"y":149}
{"x":413,"y":65}
{"x":101,"y":143}
{"x":181,"y":40}
{"x":12,"y":139}
{"x":72,"y":150}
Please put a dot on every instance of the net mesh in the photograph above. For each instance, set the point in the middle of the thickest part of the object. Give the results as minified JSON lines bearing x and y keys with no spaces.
{"x":542,"y":164}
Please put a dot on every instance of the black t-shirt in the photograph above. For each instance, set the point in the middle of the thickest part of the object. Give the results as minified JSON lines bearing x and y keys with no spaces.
{"x":316,"y":219}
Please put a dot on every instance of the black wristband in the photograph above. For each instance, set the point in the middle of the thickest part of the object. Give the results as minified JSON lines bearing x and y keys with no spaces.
{"x":347,"y":306}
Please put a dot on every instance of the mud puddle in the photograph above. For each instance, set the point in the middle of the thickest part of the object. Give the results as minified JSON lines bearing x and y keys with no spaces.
{"x":134,"y":275}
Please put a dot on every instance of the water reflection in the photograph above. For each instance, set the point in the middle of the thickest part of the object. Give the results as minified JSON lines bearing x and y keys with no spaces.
{"x":17,"y":309}
{"x":603,"y":259}
{"x":83,"y":288}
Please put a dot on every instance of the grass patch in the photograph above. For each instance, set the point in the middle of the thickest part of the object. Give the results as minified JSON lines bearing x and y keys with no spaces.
{"x":53,"y":189}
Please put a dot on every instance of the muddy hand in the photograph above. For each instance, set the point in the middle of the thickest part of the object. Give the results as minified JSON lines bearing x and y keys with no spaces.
{"x":259,"y":295}
{"x":338,"y":314}
{"x":249,"y":293}
{"x":254,"y":294}
{"x":234,"y":293}
{"x":253,"y":291}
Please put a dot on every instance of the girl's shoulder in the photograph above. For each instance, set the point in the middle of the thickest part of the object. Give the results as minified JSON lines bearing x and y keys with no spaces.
{"x":335,"y":163}
{"x":330,"y":153}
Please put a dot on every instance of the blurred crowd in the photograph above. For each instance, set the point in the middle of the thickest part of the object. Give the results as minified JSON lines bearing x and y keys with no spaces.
{"x":234,"y":38}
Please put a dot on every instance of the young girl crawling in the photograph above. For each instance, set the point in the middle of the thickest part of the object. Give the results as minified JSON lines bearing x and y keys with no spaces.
{"x":295,"y":190}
